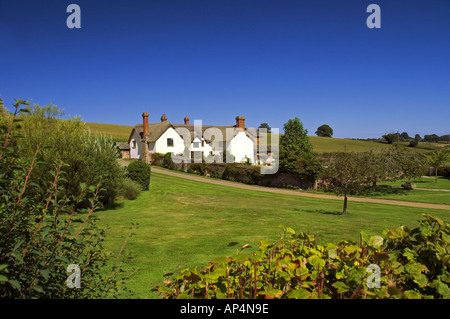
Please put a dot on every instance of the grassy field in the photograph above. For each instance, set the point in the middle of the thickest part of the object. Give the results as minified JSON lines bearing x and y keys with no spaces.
{"x":120,"y":133}
{"x":424,"y":182}
{"x":185,"y":223}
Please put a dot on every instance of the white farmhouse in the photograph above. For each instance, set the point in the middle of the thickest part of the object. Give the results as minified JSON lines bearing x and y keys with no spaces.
{"x":199,"y":140}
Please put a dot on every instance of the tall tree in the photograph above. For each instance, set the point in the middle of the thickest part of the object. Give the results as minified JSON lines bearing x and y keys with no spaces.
{"x":296,"y":151}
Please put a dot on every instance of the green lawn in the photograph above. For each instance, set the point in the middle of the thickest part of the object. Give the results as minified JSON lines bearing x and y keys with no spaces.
{"x":185,"y":223}
{"x":424,"y":182}
{"x":416,"y":195}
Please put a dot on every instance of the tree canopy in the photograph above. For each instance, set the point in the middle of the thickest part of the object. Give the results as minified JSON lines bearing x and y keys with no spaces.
{"x":324,"y":131}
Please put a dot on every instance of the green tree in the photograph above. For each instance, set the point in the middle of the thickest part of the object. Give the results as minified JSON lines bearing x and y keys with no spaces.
{"x":324,"y":131}
{"x":437,"y":159}
{"x":405,"y":136}
{"x":266,"y":126}
{"x":346,"y":174}
{"x":391,"y":138}
{"x":296,"y":151}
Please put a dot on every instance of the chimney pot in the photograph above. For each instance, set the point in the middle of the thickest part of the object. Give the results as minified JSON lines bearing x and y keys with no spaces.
{"x":186,"y":120}
{"x":163,"y":118}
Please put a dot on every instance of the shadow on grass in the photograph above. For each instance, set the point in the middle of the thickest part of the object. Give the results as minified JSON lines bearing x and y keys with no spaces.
{"x":383,"y":190}
{"x":320,"y":211}
{"x":112,"y":206}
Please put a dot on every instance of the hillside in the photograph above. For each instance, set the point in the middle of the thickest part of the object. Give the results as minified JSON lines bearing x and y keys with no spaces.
{"x":120,"y":133}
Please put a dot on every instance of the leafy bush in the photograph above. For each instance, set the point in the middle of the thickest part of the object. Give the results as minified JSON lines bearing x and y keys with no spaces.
{"x":89,"y":157}
{"x":214,"y":172}
{"x":130,"y":189}
{"x":39,"y":239}
{"x":139,"y":172}
{"x":168,"y":162}
{"x":412,"y":263}
{"x":243,"y":174}
{"x":196,"y":168}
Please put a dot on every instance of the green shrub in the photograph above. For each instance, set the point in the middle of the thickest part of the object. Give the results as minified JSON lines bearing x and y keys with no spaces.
{"x":130,"y":189}
{"x":139,"y":172}
{"x":89,"y":157}
{"x":243,"y":174}
{"x":39,"y":238}
{"x":214,"y":172}
{"x":413,"y":263}
{"x":168,"y":162}
{"x":196,"y":168}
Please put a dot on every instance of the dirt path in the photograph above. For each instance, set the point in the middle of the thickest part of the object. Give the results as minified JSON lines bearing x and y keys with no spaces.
{"x":297,"y":193}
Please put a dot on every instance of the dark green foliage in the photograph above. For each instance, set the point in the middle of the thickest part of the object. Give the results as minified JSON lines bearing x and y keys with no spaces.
{"x":139,"y":172}
{"x":417,"y":138}
{"x":413,"y":263}
{"x":167,"y":162}
{"x":265,"y":126}
{"x":130,"y":189}
{"x":324,"y":131}
{"x":391,"y":138}
{"x":431,"y":138}
{"x":40,"y":236}
{"x":196,"y":168}
{"x":405,"y":136}
{"x":296,"y":152}
{"x":240,"y":173}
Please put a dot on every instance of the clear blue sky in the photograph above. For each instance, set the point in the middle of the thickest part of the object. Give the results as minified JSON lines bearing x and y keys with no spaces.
{"x":215,"y":59}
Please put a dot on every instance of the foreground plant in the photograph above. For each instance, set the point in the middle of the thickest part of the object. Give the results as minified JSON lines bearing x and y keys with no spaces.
{"x":402,"y":263}
{"x":41,"y":238}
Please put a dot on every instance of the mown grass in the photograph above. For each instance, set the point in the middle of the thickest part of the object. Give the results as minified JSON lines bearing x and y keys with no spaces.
{"x":424,"y":182}
{"x":185,"y":223}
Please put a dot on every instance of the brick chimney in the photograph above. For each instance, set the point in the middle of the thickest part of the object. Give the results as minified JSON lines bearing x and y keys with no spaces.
{"x":186,"y":120}
{"x":240,"y":123}
{"x":145,"y":123}
{"x":163,"y":118}
{"x":144,"y":141}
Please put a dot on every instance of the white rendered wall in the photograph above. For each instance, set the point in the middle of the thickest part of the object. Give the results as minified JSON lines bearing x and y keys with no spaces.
{"x":241,"y":146}
{"x":161,"y":143}
{"x":135,"y":153}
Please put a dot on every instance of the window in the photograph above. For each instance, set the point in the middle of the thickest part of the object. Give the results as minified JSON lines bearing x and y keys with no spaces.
{"x":133,"y":144}
{"x":196,"y":144}
{"x":170,"y":142}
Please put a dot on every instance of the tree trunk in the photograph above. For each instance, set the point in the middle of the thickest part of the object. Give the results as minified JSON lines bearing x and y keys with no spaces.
{"x":435,"y":170}
{"x":344,"y":211}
